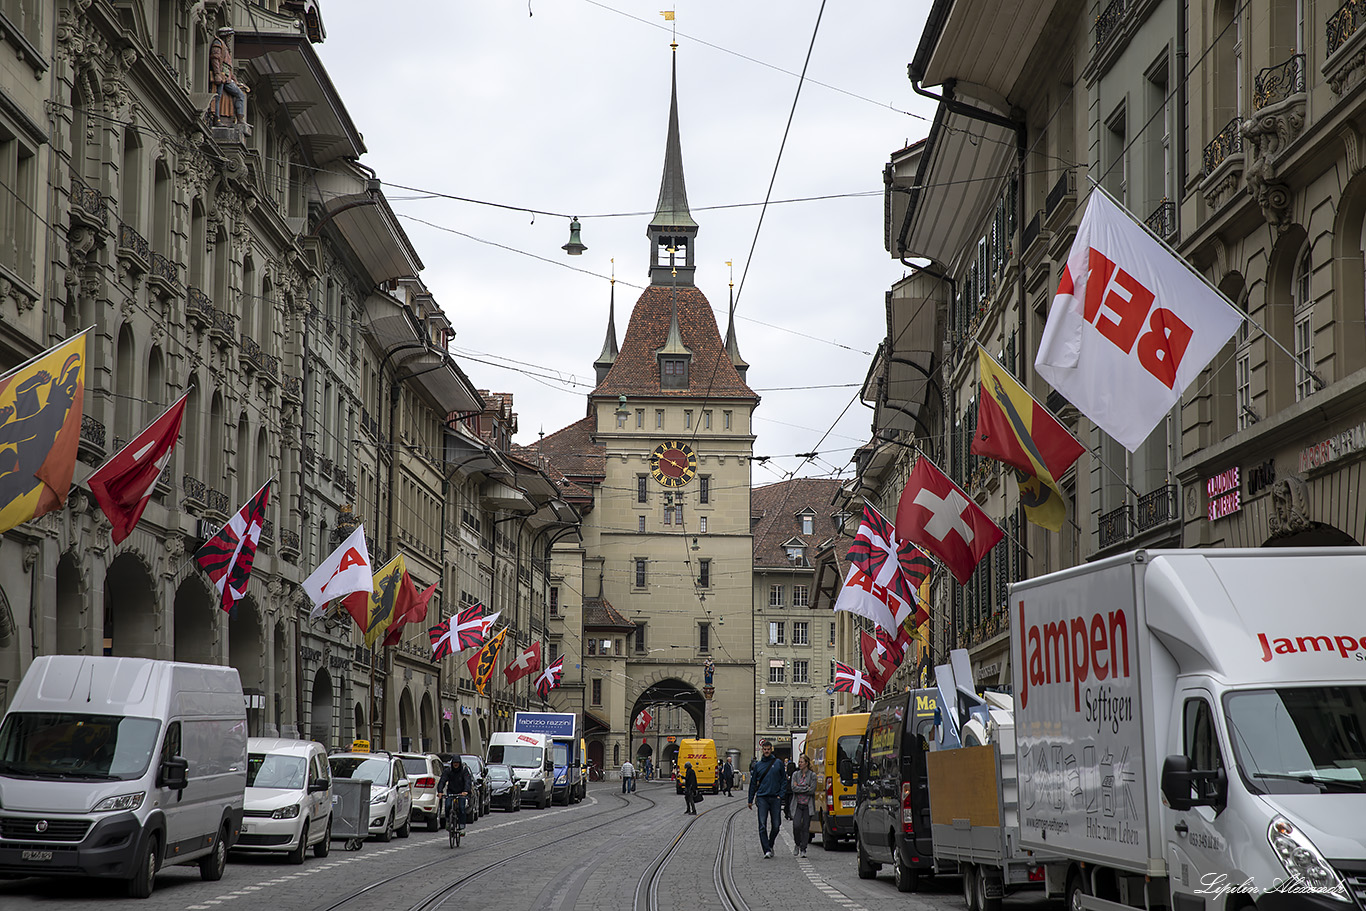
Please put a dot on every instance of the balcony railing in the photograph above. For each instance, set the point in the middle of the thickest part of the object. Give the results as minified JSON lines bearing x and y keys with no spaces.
{"x":134,"y":246}
{"x":1115,"y":527}
{"x":339,"y":475}
{"x":1064,"y":188}
{"x":199,"y":307}
{"x":294,"y":388}
{"x":1344,"y":23}
{"x":1162,"y":221}
{"x":92,"y":431}
{"x":325,"y":467}
{"x":1109,"y":21}
{"x":289,"y":543}
{"x":224,"y":326}
{"x":217,"y":501}
{"x":250,"y":352}
{"x":87,"y":198}
{"x":1155,"y":508}
{"x":195,"y":492}
{"x":166,"y":271}
{"x":1277,"y":83}
{"x":1228,"y":142}
{"x":1031,"y":231}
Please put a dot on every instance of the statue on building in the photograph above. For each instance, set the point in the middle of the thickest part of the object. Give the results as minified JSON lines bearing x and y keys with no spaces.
{"x":223,"y":82}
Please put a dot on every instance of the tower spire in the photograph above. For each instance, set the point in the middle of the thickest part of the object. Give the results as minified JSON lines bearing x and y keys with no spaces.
{"x":672,"y":229}
{"x":608,"y":356}
{"x":733,"y":346}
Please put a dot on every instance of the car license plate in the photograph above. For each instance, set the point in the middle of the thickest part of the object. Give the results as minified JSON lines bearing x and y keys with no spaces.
{"x":35,"y":855}
{"x":847,"y":800}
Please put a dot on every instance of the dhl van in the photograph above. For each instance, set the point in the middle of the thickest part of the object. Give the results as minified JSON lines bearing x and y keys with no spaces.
{"x":826,"y":741}
{"x":702,"y":755}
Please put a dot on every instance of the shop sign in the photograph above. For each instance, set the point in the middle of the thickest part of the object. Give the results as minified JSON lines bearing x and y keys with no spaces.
{"x":1224,"y":494}
{"x":990,"y":670}
{"x":1260,"y":477}
{"x":1337,"y":446}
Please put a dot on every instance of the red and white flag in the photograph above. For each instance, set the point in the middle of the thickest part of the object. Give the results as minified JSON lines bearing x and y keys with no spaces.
{"x":227,"y":556}
{"x":643,"y":720}
{"x":852,"y":680}
{"x":877,"y":661}
{"x":936,"y":514}
{"x":550,"y":677}
{"x":442,"y":637}
{"x":346,"y":570}
{"x":528,"y":662}
{"x":1130,"y":327}
{"x":413,"y":609}
{"x":877,"y":586}
{"x":123,"y":485}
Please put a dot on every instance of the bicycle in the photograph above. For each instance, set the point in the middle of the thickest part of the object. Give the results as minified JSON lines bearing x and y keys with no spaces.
{"x":455,"y":818}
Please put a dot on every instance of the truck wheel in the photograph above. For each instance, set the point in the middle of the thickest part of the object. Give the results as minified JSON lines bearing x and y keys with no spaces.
{"x":970,"y":887}
{"x":985,"y":884}
{"x":907,"y":879}
{"x":323,"y":847}
{"x":1076,"y":888}
{"x":144,"y":877}
{"x":211,"y":867}
{"x":299,"y":853}
{"x":866,"y":868}
{"x":828,"y":839}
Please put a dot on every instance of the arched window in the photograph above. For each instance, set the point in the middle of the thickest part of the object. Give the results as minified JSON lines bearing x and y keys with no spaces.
{"x":130,"y":180}
{"x":125,"y":391}
{"x":249,"y":301}
{"x":1303,"y":297}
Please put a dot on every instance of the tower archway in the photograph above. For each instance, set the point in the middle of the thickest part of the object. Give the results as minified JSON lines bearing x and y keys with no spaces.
{"x":673,"y":692}
{"x":194,"y":619}
{"x":130,"y":609}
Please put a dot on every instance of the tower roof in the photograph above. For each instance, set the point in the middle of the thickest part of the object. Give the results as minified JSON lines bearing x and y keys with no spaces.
{"x":732,"y":345}
{"x":636,"y":369}
{"x":672,"y":209}
{"x":609,"y":344}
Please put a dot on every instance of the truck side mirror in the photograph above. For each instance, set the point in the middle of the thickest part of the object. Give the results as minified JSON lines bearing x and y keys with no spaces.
{"x":175,"y":773}
{"x":1179,"y":780}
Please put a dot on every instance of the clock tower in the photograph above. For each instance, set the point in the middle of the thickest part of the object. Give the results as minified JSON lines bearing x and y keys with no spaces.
{"x":666,"y":453}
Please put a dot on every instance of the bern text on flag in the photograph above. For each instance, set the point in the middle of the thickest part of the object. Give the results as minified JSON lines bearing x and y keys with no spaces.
{"x":345,"y":571}
{"x":228,"y":555}
{"x":1130,"y":326}
{"x":934,"y":513}
{"x":1012,"y":427}
{"x":41,"y":405}
{"x":528,"y":662}
{"x":123,"y":485}
{"x":550,"y":678}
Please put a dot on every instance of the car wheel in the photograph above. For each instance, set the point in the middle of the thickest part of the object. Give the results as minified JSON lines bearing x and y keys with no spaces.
{"x":433,"y":822}
{"x":144,"y":877}
{"x":301,"y":851}
{"x":211,"y":867}
{"x":322,"y":848}
{"x":388,"y":833}
{"x":828,"y":838}
{"x":907,"y":879}
{"x":866,"y":868}
{"x":407,"y":827}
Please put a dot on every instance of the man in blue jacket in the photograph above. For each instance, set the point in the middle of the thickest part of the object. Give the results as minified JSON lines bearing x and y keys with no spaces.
{"x":767,"y":784}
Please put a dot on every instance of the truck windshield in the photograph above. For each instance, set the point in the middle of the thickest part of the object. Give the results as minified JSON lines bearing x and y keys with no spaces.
{"x":1300,"y":740}
{"x":561,"y":753}
{"x":68,"y":746}
{"x":514,"y":755}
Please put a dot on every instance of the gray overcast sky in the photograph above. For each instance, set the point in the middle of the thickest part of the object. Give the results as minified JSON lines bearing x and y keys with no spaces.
{"x":565,"y":111}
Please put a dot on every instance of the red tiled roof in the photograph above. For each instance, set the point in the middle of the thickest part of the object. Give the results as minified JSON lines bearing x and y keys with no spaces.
{"x":778,"y":506}
{"x":598,"y":613}
{"x":636,"y":370}
{"x":574,"y":452}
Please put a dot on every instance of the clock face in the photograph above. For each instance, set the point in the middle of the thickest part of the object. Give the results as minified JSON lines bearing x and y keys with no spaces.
{"x":673,"y":463}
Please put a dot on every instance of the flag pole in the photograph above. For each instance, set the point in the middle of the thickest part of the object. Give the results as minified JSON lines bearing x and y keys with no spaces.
{"x":44,"y":353}
{"x":1318,"y":380}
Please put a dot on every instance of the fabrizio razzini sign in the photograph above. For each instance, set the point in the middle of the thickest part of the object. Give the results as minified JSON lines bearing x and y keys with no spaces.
{"x":1224,"y":494}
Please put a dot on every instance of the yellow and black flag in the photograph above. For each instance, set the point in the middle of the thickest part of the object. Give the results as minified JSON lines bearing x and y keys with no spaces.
{"x":375,"y":610}
{"x":481,"y":662}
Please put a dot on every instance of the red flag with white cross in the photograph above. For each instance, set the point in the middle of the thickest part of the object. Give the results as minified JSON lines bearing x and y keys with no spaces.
{"x":877,"y":662}
{"x":528,"y":662}
{"x":935,"y":513}
{"x":1130,"y":327}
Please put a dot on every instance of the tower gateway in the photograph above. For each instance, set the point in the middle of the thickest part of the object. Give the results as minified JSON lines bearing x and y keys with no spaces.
{"x":653,"y":608}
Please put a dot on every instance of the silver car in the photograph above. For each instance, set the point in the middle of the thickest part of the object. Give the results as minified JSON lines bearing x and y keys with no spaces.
{"x":391,"y":798}
{"x":424,"y":771}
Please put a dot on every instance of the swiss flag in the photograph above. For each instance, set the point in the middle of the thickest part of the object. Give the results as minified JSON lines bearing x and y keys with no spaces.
{"x":876,"y":661}
{"x":528,"y":662}
{"x":124,"y":484}
{"x":934,"y":513}
{"x":643,"y":720}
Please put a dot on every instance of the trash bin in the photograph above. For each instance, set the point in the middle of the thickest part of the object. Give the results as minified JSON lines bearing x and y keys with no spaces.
{"x":350,"y":811}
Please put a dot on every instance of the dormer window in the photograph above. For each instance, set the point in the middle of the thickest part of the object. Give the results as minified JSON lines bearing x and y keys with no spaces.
{"x":673,"y":372}
{"x":796,"y":555}
{"x":808,"y":521}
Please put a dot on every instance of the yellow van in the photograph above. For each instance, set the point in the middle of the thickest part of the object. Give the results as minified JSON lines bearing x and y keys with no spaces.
{"x":702,"y":755}
{"x":826,"y":741}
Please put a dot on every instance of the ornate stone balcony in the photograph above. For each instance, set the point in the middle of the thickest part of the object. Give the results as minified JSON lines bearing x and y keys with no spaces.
{"x":195,"y":494}
{"x":339,"y":475}
{"x":87,"y":199}
{"x":1109,"y":21}
{"x":1061,"y":200}
{"x":218,"y":502}
{"x":199,"y":307}
{"x":293,"y":389}
{"x":1162,"y":221}
{"x":92,"y":440}
{"x":248,"y":353}
{"x":1277,"y":83}
{"x":224,"y":328}
{"x":134,"y":253}
{"x":1227,"y":142}
{"x":1156,"y":508}
{"x":1345,"y":66}
{"x":164,"y":278}
{"x":1223,"y":165}
{"x":289,"y":545}
{"x":325,"y":467}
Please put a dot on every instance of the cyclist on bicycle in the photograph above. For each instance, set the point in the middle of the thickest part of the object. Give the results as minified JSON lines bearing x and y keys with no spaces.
{"x":455,"y":782}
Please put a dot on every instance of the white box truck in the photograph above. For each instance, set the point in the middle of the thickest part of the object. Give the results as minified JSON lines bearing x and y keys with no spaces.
{"x":115,"y":767}
{"x":1191,"y":728}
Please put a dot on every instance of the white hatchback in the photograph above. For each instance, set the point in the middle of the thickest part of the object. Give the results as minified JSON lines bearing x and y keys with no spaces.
{"x":391,"y":791}
{"x":288,"y":804}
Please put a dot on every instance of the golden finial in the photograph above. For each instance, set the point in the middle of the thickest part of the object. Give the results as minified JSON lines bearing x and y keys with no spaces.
{"x":732,"y":272}
{"x":613,"y":261}
{"x":668,"y":15}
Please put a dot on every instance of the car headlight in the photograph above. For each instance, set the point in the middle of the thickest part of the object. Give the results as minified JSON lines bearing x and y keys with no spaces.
{"x":122,"y":802}
{"x":380,"y":797}
{"x":563,"y":779}
{"x":288,"y":812}
{"x":1303,"y":861}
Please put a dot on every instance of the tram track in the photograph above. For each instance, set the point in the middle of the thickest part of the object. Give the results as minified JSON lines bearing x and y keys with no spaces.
{"x":436,"y":898}
{"x":647,"y":890}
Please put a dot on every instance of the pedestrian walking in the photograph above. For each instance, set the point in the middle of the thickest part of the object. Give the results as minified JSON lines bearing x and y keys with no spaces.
{"x":788,"y":769}
{"x":767,"y":784}
{"x":728,"y":776}
{"x":803,"y":790}
{"x":689,"y":789}
{"x":628,"y":778}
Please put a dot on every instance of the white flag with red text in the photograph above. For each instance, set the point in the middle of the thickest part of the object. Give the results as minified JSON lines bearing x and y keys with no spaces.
{"x":346,"y":570}
{"x":1130,"y":327}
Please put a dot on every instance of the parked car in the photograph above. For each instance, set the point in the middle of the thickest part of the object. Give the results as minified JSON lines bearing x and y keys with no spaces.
{"x":479,"y":774}
{"x":424,"y":771}
{"x":505,"y":788}
{"x":391,"y":798}
{"x":288,"y":798}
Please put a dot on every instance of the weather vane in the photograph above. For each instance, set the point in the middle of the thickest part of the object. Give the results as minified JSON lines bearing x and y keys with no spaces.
{"x":668,"y":15}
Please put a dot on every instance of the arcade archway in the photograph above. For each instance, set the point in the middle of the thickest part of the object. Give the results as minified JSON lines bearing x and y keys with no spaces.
{"x":130,"y":609}
{"x":426,"y":720}
{"x":71,"y":622}
{"x":195,"y":614}
{"x":406,"y":722}
{"x":247,"y":653}
{"x":320,"y":713}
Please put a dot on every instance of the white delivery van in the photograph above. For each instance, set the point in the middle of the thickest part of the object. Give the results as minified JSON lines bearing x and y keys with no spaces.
{"x":531,"y":761}
{"x":114,"y":767}
{"x":1191,"y":728}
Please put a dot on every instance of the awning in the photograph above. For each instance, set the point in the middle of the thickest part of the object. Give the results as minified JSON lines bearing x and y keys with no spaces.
{"x":288,"y":69}
{"x":985,"y":45}
{"x":394,"y":330}
{"x":962,"y":171}
{"x":371,"y":230}
{"x":910,"y":355}
{"x":502,"y":496}
{"x":472,"y":456}
{"x":595,"y":724}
